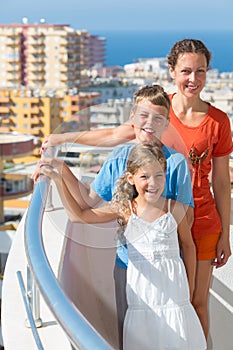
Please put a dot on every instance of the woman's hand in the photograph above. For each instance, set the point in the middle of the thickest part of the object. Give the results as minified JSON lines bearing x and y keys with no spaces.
{"x":223,"y":252}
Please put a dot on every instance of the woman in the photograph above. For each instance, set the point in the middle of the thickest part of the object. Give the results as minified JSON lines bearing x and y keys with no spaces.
{"x":206,"y":133}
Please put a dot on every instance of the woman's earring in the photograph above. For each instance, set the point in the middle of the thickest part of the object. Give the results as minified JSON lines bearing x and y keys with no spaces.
{"x":132,"y":126}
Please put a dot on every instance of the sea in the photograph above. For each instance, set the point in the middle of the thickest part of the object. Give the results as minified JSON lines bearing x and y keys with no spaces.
{"x":123,"y":47}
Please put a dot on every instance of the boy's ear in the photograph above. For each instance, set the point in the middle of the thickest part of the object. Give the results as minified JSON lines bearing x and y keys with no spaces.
{"x":131,"y":116}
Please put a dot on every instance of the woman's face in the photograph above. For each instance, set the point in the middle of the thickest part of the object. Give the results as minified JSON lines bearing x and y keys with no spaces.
{"x":189,"y":73}
{"x":149,"y":121}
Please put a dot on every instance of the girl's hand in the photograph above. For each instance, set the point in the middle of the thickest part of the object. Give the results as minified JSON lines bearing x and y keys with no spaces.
{"x":36,"y":173}
{"x":51,"y":167}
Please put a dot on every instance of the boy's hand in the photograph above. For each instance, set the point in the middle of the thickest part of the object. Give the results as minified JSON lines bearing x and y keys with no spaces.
{"x":45,"y":145}
{"x":50,"y":141}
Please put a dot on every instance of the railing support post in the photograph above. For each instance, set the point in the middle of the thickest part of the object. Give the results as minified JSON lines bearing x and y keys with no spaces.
{"x":49,"y":203}
{"x":34,"y":300}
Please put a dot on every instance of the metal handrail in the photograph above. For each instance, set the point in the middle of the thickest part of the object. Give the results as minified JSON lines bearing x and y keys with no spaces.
{"x":79,"y":331}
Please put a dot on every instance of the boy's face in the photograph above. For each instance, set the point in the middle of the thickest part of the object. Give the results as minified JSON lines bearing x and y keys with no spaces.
{"x":149,"y":121}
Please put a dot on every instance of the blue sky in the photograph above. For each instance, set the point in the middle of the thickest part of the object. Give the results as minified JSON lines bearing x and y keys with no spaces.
{"x":105,"y":15}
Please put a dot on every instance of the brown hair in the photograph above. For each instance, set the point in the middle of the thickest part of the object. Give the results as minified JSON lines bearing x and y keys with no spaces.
{"x":188,"y":45}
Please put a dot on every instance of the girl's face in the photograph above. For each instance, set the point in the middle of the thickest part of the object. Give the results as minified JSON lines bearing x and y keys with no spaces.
{"x":189,"y":73}
{"x":149,"y":181}
{"x":149,"y":121}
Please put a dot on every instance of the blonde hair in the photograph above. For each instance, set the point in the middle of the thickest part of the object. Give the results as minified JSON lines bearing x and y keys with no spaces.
{"x":142,"y":154}
{"x":154,"y":94}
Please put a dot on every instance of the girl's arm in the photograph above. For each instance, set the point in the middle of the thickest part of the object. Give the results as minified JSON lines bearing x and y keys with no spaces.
{"x":71,"y":204}
{"x":186,"y":244}
{"x":57,"y":169}
{"x":107,"y":137}
{"x":222,"y":194}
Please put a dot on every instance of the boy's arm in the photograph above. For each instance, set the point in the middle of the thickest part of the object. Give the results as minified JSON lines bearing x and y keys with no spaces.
{"x":189,"y":215}
{"x":106,"y":137}
{"x":181,"y":186}
{"x":186,"y":244}
{"x":189,"y":253}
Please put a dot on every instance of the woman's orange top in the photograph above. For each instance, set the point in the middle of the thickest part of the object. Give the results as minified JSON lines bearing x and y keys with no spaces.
{"x":211,"y":138}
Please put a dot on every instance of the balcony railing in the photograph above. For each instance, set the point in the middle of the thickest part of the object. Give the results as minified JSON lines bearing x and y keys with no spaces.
{"x":79,"y":331}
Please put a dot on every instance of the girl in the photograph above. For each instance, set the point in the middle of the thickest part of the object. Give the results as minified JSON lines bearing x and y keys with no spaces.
{"x":160,"y":314}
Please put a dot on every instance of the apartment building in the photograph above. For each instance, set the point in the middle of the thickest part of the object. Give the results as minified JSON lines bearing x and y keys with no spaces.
{"x":43,"y":55}
{"x":44,"y":68}
{"x":97,"y":51}
{"x":41,"y":112}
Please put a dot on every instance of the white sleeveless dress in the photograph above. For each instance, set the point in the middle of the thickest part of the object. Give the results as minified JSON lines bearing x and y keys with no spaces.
{"x":159,"y":315}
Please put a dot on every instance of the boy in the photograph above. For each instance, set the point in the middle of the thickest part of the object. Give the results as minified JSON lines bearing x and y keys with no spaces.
{"x":149,"y":118}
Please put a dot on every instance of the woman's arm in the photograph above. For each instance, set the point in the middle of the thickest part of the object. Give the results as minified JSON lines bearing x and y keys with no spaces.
{"x":222,"y":194}
{"x":71,"y":204}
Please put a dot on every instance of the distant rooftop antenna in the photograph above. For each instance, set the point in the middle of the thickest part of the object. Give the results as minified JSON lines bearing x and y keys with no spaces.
{"x":25,"y":20}
{"x":42,"y":20}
